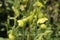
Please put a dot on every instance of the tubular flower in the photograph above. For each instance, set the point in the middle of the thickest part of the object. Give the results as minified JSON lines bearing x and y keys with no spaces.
{"x":21,"y":23}
{"x":38,"y":4}
{"x":42,"y":20}
{"x":30,"y":18}
{"x":16,"y":11}
{"x":22,"y":7}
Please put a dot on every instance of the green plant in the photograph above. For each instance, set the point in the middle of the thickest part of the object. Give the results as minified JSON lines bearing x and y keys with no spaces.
{"x":31,"y":19}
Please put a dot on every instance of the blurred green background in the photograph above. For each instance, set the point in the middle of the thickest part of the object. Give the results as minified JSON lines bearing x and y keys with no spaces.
{"x":29,"y":19}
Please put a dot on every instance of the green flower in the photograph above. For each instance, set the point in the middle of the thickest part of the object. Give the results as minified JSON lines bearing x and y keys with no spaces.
{"x":11,"y":36}
{"x":1,"y":5}
{"x":15,"y":11}
{"x":42,"y":20}
{"x":43,"y":26}
{"x":38,"y":4}
{"x":25,"y":1}
{"x":22,"y":7}
{"x":47,"y":32}
{"x":21,"y":23}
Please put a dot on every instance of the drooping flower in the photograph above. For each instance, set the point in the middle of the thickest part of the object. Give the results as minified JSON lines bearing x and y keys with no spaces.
{"x":16,"y":11}
{"x":21,"y":23}
{"x":22,"y":7}
{"x":42,"y":20}
{"x":38,"y":4}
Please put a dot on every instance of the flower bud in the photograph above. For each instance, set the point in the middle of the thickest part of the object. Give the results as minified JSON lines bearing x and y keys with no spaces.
{"x":11,"y":36}
{"x":43,"y":26}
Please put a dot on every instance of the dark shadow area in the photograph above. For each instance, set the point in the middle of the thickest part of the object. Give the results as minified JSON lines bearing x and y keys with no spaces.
{"x":3,"y":31}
